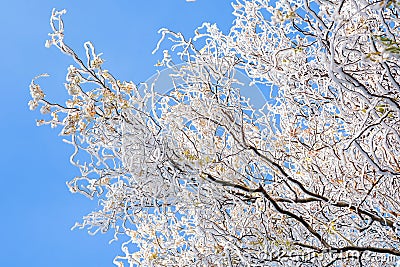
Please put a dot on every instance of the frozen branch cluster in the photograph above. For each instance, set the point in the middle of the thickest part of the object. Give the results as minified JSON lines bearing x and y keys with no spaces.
{"x":198,"y":177}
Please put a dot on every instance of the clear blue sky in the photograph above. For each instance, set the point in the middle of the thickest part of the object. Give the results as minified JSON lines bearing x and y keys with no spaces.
{"x":37,"y":210}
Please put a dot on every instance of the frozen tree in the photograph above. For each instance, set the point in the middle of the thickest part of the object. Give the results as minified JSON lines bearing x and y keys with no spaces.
{"x":199,"y":177}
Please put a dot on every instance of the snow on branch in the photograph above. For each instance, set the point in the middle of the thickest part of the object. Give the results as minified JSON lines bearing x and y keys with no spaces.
{"x":199,"y":177}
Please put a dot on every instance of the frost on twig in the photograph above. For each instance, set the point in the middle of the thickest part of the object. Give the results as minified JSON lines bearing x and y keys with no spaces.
{"x":198,"y":177}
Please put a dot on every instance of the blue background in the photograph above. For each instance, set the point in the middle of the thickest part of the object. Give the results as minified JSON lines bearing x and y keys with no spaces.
{"x":37,"y":210}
